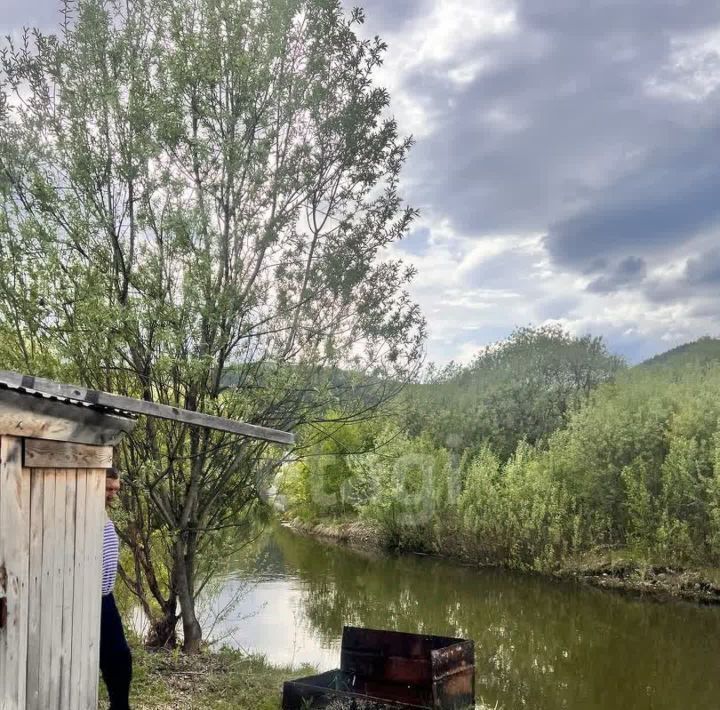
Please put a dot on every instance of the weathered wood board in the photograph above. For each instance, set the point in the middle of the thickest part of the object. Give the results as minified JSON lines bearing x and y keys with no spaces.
{"x":14,"y":541}
{"x":140,"y":406}
{"x":40,"y":418}
{"x":62,"y":454}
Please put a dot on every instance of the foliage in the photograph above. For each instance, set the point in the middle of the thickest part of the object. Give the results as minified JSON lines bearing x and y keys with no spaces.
{"x":191,"y":188}
{"x":520,"y":388}
{"x":704,"y":351}
{"x":636,"y":466}
{"x":318,"y":483}
{"x":405,"y":486}
{"x":515,"y":512}
{"x":642,"y":458}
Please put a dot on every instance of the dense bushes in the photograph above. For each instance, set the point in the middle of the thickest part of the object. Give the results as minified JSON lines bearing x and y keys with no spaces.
{"x":515,"y":513}
{"x":640,"y":462}
{"x":637,"y":466}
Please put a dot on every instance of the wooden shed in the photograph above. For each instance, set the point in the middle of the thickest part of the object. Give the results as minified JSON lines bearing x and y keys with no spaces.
{"x":55,"y":443}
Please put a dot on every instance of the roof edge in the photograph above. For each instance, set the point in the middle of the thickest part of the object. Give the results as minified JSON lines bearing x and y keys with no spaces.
{"x":123,"y":404}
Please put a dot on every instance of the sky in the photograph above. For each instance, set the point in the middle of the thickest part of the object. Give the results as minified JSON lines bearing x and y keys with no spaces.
{"x":566,"y":165}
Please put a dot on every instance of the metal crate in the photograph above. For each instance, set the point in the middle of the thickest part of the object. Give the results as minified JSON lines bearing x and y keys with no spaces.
{"x":390,"y":669}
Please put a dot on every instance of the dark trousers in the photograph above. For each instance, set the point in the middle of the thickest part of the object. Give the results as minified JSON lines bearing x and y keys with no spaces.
{"x":115,"y":658}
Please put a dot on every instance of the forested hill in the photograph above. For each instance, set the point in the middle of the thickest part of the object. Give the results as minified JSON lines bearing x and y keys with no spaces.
{"x":520,"y":388}
{"x":700,"y":352}
{"x":543,"y":448}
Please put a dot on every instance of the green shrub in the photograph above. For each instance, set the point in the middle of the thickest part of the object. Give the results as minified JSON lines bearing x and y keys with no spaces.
{"x":637,"y":465}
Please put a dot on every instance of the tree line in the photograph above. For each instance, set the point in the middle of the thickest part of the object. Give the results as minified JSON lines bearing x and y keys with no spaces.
{"x":545,"y":448}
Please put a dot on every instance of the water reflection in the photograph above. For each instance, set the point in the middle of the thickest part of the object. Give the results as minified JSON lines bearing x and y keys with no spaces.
{"x":539,"y":644}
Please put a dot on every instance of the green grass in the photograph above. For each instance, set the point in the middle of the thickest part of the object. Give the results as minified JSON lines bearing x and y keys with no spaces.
{"x":222,"y":680}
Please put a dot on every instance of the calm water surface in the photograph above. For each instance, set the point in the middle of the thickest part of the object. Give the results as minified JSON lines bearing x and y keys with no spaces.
{"x":539,"y":644}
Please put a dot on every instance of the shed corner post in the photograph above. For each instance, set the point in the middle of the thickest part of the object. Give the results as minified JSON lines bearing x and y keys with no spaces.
{"x":14,"y":527}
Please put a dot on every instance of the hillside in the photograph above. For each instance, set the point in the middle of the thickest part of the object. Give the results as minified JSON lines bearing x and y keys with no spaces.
{"x":700,"y":352}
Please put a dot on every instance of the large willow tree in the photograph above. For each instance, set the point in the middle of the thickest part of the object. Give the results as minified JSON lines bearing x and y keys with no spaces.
{"x":195,"y":199}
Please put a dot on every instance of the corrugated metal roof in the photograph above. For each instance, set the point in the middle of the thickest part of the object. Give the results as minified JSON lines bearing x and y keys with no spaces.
{"x":127,"y":407}
{"x":65,"y":400}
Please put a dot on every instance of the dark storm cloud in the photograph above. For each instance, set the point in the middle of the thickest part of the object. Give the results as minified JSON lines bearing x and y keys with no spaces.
{"x":704,"y":270}
{"x":629,"y":272}
{"x":592,"y":19}
{"x":696,"y":282}
{"x":560,"y":133}
{"x":667,"y":201}
{"x":706,"y":309}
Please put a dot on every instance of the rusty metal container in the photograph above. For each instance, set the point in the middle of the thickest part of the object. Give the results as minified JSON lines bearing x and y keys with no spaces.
{"x":390,"y":669}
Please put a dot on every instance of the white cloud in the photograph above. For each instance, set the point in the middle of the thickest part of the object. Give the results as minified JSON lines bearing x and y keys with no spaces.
{"x":437,"y":44}
{"x":494,"y":152}
{"x":465,"y":73}
{"x":452,"y":27}
{"x":467,"y":352}
{"x":465,"y":315}
{"x":693,"y":70}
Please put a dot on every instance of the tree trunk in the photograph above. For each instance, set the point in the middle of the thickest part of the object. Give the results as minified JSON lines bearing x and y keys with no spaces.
{"x":192,"y":632}
{"x":163,"y":631}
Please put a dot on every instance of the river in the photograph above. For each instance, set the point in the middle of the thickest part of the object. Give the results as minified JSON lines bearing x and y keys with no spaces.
{"x":539,"y":644}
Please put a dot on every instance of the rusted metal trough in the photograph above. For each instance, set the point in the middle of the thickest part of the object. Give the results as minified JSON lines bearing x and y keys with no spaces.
{"x":390,"y":669}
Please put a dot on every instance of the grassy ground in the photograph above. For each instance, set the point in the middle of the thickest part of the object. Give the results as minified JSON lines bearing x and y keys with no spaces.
{"x":223,"y":680}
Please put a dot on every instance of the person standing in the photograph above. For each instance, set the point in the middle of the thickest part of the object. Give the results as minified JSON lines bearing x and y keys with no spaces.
{"x":115,"y":656}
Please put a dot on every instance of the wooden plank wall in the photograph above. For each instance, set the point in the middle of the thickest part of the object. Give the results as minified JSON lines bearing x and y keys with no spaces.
{"x":51,"y":523}
{"x":67,"y":613}
{"x":94,"y":523}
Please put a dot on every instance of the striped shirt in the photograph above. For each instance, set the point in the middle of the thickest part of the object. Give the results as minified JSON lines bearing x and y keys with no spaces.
{"x":111,"y":555}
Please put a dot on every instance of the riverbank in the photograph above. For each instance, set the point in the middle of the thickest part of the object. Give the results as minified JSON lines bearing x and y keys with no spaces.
{"x":351,"y":533}
{"x":620,"y":572}
{"x":613,"y":570}
{"x":213,"y":680}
